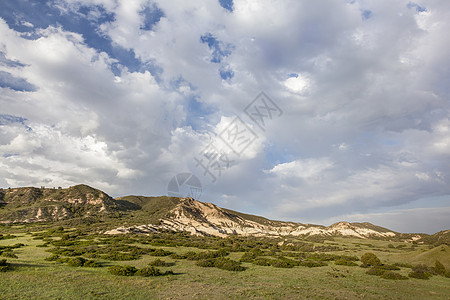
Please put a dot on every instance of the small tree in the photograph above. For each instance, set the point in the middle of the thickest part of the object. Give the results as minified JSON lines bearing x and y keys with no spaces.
{"x":370,"y":259}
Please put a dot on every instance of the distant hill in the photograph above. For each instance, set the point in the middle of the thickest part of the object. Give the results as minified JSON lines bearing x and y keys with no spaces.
{"x":82,"y":204}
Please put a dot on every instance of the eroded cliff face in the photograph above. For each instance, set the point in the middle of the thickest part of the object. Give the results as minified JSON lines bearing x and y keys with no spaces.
{"x":208,"y":219}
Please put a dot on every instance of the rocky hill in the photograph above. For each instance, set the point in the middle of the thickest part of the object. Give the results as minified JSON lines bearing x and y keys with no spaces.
{"x":208,"y":219}
{"x":82,"y":204}
{"x":30,"y":204}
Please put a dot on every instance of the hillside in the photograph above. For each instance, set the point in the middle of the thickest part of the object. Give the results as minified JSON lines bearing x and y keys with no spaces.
{"x":30,"y":204}
{"x":81,"y":205}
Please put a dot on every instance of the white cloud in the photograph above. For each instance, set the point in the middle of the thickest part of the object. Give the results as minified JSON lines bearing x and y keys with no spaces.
{"x":365,"y":123}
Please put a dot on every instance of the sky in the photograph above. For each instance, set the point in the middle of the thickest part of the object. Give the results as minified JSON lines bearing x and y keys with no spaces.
{"x":306,"y":111}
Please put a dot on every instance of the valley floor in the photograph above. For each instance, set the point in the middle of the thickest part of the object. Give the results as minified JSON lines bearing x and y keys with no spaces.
{"x":31,"y":276}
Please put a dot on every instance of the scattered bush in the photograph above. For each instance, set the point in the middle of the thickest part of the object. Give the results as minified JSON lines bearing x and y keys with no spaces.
{"x":160,"y":263}
{"x":393,"y":276}
{"x":91,"y":264}
{"x":439,"y":268}
{"x":149,"y":271}
{"x":344,"y":262}
{"x":377,"y":271}
{"x":404,"y":265}
{"x":76,"y":261}
{"x":284,"y":263}
{"x":248,"y":257}
{"x":221,"y":263}
{"x":118,"y":256}
{"x":263,"y":261}
{"x":161,"y":252}
{"x":122,"y":270}
{"x":4,"y":266}
{"x":370,"y":260}
{"x":9,"y":254}
{"x":389,"y":267}
{"x":53,"y":257}
{"x":419,"y":275}
{"x":421,"y":272}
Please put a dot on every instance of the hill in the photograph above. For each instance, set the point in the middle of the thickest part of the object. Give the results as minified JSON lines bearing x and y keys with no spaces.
{"x":82,"y":204}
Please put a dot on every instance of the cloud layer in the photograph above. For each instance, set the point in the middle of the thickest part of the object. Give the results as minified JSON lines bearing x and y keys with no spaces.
{"x":125,"y":95}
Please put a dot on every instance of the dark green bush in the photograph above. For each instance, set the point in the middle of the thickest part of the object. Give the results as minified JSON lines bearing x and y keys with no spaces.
{"x":149,"y":271}
{"x":263,"y":261}
{"x":160,"y":263}
{"x":9,"y":254}
{"x":91,"y":264}
{"x":76,"y":261}
{"x":424,"y":268}
{"x":403,"y":265}
{"x":389,"y":267}
{"x":122,"y":270}
{"x":191,"y":255}
{"x":228,"y":264}
{"x":209,"y":262}
{"x":221,"y":263}
{"x":393,"y":276}
{"x":53,"y":257}
{"x":284,"y":263}
{"x":248,"y":257}
{"x":377,"y":271}
{"x":4,"y":266}
{"x":419,"y":275}
{"x":439,"y":268}
{"x":160,"y":252}
{"x":118,"y":256}
{"x":344,"y":262}
{"x":370,"y":260}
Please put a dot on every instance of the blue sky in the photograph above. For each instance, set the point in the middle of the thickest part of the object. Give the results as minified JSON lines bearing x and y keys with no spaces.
{"x":124,"y":95}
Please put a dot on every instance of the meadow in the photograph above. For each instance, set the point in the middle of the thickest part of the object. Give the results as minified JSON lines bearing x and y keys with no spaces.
{"x":68,"y":263}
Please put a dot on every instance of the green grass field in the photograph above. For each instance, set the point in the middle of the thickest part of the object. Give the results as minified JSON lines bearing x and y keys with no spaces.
{"x":33,"y":277}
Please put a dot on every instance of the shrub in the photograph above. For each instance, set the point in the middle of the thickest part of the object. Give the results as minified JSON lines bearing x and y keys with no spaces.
{"x":149,"y":271}
{"x":221,"y":263}
{"x":118,"y":256}
{"x":160,"y":263}
{"x":377,"y":271}
{"x":439,"y":268}
{"x":262,"y":261}
{"x":419,"y":275}
{"x":370,"y":260}
{"x":344,"y":262}
{"x":284,"y":263}
{"x":403,"y":265}
{"x":9,"y":254}
{"x":91,"y":264}
{"x":4,"y":266}
{"x":393,"y":276}
{"x":160,"y":252}
{"x":76,"y":261}
{"x":389,"y":267}
{"x":209,"y":262}
{"x":248,"y":257}
{"x":228,"y":264}
{"x":53,"y":257}
{"x":424,"y":268}
{"x":122,"y":270}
